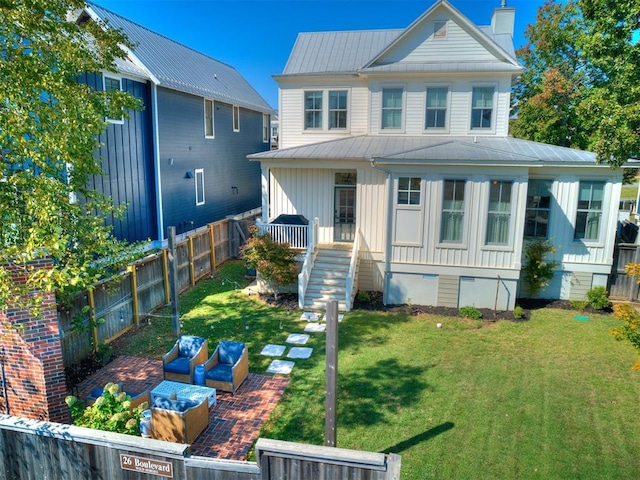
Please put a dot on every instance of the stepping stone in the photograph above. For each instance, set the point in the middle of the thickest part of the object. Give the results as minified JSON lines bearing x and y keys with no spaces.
{"x":273,"y":350}
{"x":315,"y":327}
{"x":283,"y":367}
{"x":297,"y":338}
{"x":310,"y":316}
{"x":299,"y":352}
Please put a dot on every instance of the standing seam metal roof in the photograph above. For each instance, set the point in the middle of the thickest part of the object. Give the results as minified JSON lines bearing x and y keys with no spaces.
{"x":182,"y":68}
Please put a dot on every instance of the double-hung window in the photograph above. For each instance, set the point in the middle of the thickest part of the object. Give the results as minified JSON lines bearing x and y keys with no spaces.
{"x":112,"y":84}
{"x":312,"y":110}
{"x":337,"y":109}
{"x":199,"y":182}
{"x":436,"y":113}
{"x":208,"y":118}
{"x":391,"y":108}
{"x":265,"y":128}
{"x":536,"y":222}
{"x":236,"y":118}
{"x":452,"y":223}
{"x":499,"y":212}
{"x":409,"y":190}
{"x":482,"y":107}
{"x":589,"y":213}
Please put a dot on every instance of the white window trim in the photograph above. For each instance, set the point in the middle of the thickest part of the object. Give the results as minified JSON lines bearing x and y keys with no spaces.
{"x":552,"y":204}
{"x":266,"y":128}
{"x":236,"y":118}
{"x":604,"y":215}
{"x":199,"y":172}
{"x":204,"y":116}
{"x":325,"y":110}
{"x":515,"y":192}
{"x":435,"y":130}
{"x":393,"y":131}
{"x":403,"y":206}
{"x":464,"y":243}
{"x":104,"y":88}
{"x":494,"y":119}
{"x":445,"y":23}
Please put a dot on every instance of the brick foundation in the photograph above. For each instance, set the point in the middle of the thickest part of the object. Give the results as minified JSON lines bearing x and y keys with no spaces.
{"x":33,"y":362}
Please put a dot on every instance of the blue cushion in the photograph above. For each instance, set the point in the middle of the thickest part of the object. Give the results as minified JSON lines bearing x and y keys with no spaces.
{"x":230,"y":352}
{"x":179,"y":365}
{"x":175,"y":405}
{"x":189,"y":345}
{"x":221,"y":373}
{"x":95,"y":393}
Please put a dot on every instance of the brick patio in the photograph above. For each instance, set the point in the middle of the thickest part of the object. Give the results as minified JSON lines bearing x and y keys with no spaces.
{"x":234,"y":423}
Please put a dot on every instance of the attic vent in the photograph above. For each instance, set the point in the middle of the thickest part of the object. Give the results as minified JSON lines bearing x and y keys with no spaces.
{"x":83,"y":18}
{"x":440,"y":29}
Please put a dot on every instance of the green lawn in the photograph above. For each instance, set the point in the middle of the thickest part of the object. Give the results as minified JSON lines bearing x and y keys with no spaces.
{"x":549,"y":398}
{"x":629,"y":192}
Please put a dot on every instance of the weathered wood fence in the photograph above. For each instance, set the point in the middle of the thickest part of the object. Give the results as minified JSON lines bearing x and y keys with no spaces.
{"x":31,"y":449}
{"x":622,"y":286}
{"x":117,"y":305}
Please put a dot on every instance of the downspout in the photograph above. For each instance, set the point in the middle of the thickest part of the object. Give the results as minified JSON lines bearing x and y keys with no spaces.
{"x":156,"y":161}
{"x":387,"y":235}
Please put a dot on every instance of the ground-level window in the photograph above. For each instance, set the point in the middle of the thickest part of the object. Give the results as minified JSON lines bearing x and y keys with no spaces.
{"x":499,"y":212}
{"x":452,"y":223}
{"x":208,"y":118}
{"x":199,"y":181}
{"x":409,"y":190}
{"x":536,"y":223}
{"x":589,"y":213}
{"x":236,"y":118}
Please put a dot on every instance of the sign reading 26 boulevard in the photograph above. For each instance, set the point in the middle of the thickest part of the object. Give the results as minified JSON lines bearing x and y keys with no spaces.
{"x":146,"y":465}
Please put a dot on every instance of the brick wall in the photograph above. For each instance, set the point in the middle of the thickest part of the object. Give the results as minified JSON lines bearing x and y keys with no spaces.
{"x":31,"y":353}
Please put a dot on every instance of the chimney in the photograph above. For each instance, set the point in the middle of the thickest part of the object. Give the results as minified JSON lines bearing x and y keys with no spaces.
{"x":503,"y":19}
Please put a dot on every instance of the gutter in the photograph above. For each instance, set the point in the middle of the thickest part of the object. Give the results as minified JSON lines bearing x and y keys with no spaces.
{"x":387,"y":235}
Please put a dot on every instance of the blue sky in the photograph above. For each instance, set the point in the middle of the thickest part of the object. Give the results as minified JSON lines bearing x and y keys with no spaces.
{"x":256,"y":36}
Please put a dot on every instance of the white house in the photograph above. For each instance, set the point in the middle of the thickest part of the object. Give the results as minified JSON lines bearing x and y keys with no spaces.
{"x":397,"y":142}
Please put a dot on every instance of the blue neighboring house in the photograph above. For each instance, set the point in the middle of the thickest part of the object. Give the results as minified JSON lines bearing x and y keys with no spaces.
{"x":182,"y":160}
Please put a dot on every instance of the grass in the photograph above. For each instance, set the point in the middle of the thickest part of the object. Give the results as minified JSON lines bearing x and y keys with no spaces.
{"x":549,"y":398}
{"x":629,"y":192}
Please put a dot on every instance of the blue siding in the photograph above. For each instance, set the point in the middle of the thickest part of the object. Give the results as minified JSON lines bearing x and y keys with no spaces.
{"x":126,"y":154}
{"x":223,"y":159}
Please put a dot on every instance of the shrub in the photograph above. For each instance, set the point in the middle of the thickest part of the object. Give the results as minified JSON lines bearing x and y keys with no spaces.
{"x":363,"y":296}
{"x":537,"y":271}
{"x":578,"y":304}
{"x":630,"y":330}
{"x":110,"y":412}
{"x":471,"y":312}
{"x":598,"y":298}
{"x":518,"y":312}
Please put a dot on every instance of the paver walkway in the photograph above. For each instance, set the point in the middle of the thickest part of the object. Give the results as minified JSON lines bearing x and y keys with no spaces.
{"x":234,"y":423}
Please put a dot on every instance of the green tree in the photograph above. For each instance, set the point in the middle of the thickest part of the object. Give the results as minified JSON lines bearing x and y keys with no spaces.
{"x":275,"y":262}
{"x":49,"y":125}
{"x":580,"y":87}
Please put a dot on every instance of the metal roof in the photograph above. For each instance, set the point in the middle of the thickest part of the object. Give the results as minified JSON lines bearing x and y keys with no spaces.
{"x":433,"y":149}
{"x":182,"y":68}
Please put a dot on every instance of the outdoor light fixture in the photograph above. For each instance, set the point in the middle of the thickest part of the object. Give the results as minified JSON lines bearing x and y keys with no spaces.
{"x":189,"y":174}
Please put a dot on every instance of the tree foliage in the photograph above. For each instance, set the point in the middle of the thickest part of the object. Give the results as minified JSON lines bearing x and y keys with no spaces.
{"x":49,"y":125}
{"x":580,"y":87}
{"x":537,"y":271}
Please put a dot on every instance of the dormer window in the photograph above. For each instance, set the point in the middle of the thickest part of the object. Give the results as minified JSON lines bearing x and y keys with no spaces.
{"x":440,"y":29}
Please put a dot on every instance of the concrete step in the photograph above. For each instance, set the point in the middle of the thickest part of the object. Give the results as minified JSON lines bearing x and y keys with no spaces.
{"x":322,"y":306}
{"x":326,"y":289}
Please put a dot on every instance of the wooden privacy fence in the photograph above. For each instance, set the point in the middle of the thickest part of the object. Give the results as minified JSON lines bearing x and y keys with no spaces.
{"x":31,"y":449}
{"x":622,"y":286}
{"x":117,"y":305}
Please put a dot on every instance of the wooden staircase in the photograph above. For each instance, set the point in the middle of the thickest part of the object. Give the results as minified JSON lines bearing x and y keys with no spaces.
{"x":328,"y":278}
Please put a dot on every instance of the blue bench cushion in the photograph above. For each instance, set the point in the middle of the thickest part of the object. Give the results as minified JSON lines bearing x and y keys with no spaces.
{"x":221,"y":373}
{"x":230,"y":352}
{"x":179,"y":365}
{"x":189,"y":345}
{"x":175,"y":405}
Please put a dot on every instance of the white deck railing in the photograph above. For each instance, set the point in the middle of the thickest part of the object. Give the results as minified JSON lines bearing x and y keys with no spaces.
{"x":297,"y":236}
{"x":309,"y":260}
{"x":351,"y":285}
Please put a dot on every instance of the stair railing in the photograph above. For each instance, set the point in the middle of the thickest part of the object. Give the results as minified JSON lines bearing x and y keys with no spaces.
{"x":309,"y":260}
{"x":351,"y":284}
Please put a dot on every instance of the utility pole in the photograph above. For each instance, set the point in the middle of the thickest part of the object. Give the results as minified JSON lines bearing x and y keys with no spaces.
{"x":173,"y":280}
{"x":331,"y":373}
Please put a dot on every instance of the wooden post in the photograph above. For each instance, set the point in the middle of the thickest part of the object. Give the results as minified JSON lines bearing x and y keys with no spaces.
{"x":165,"y":273}
{"x":173,"y":280}
{"x":134,"y":294}
{"x":212,"y":242}
{"x":92,"y":318}
{"x":331,"y":375}
{"x":192,"y":268}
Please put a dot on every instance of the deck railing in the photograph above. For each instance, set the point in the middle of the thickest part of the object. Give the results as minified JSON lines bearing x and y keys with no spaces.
{"x":351,"y":285}
{"x":297,"y":236}
{"x":309,"y":260}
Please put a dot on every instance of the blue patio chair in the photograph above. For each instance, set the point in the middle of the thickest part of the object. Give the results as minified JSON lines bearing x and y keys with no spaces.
{"x":179,"y":363}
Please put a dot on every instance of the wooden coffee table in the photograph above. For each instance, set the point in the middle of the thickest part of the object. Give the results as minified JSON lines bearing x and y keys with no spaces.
{"x":184,"y":391}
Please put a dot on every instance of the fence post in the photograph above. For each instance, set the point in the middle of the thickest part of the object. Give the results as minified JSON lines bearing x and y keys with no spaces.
{"x":393,"y":467}
{"x":165,"y":274}
{"x":173,"y":264}
{"x":331,"y":374}
{"x":134,"y":294}
{"x":192,"y":269}
{"x":92,"y":318}
{"x":212,"y":242}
